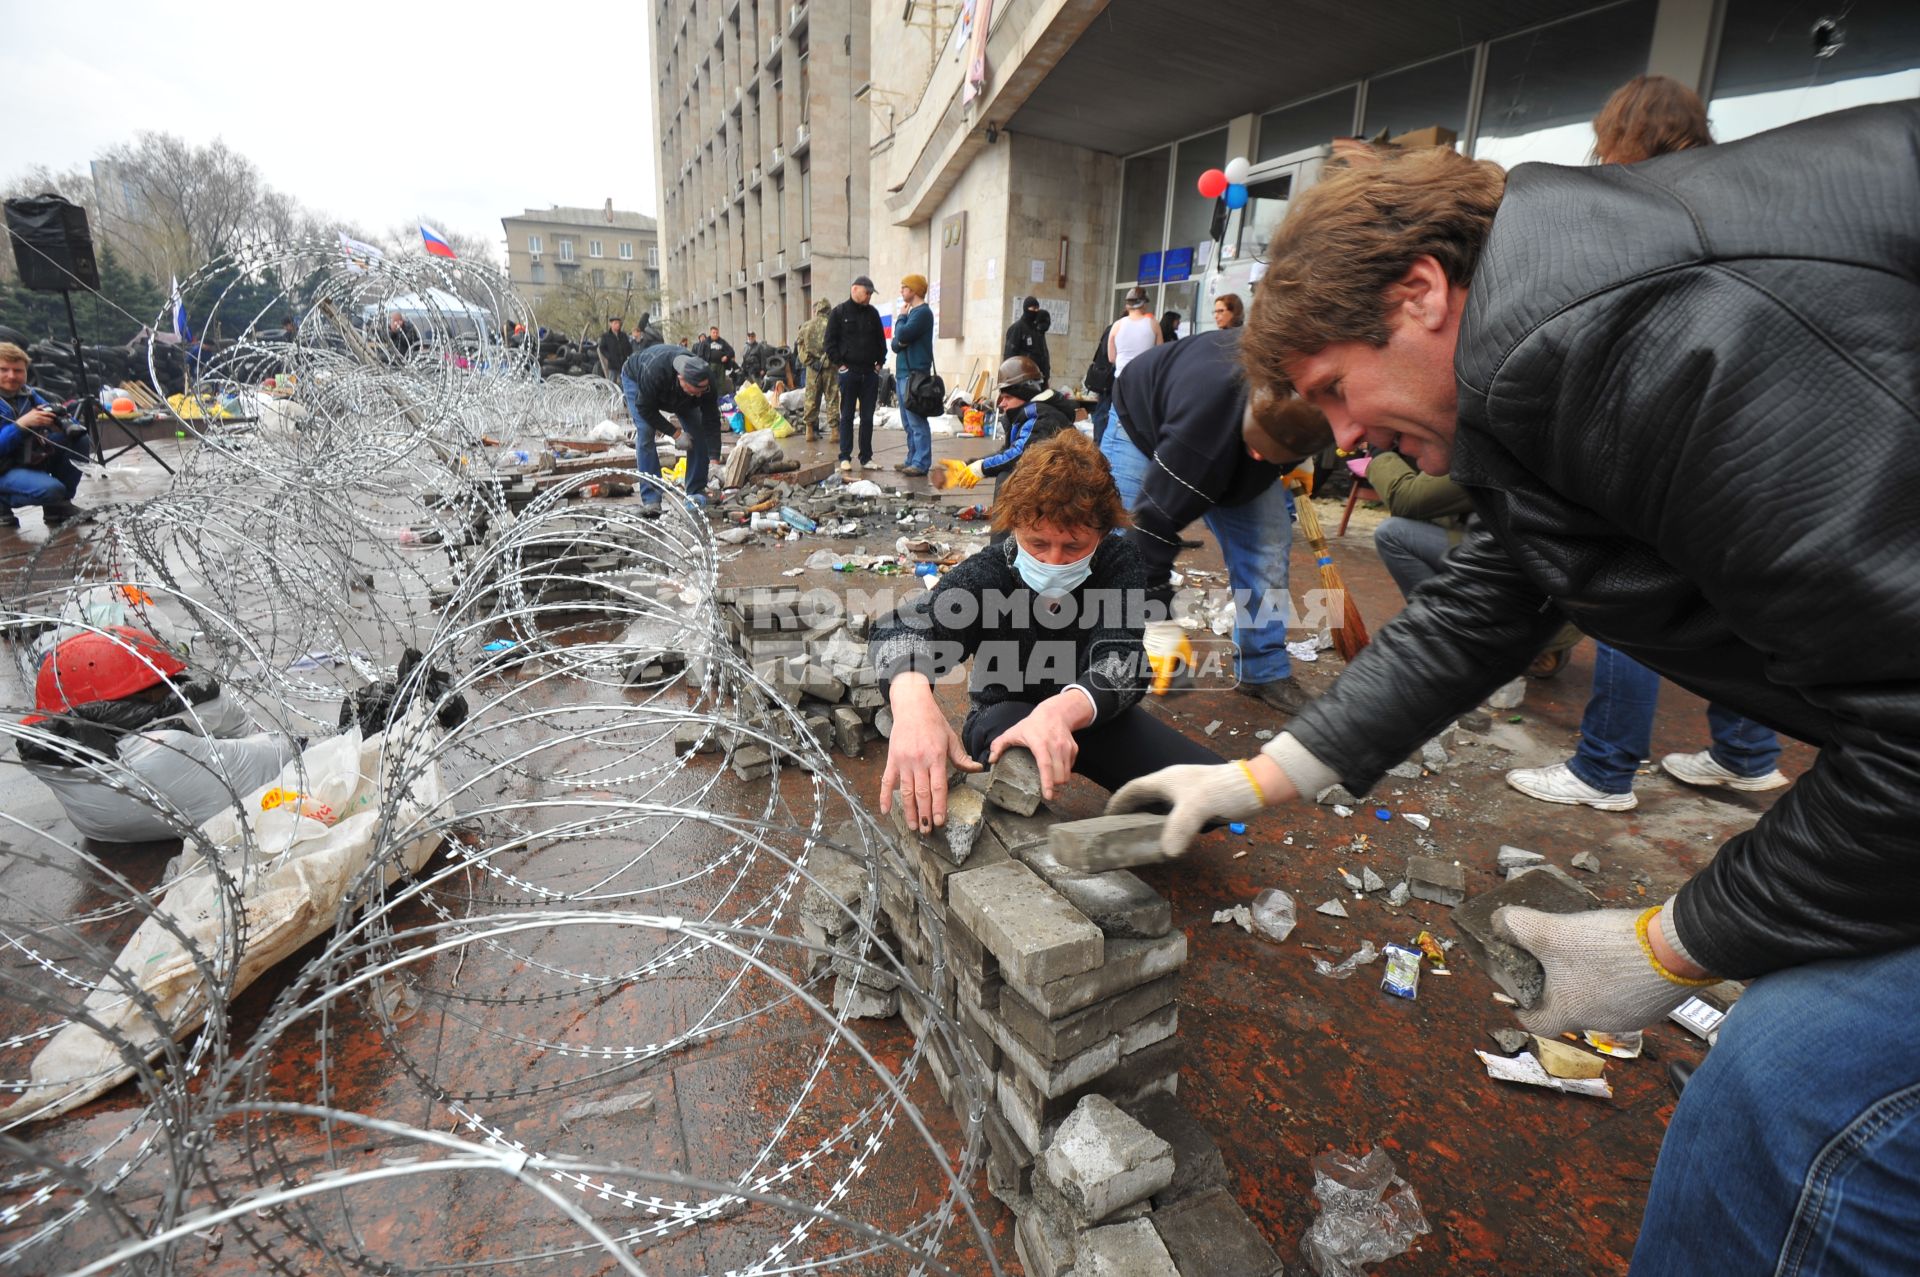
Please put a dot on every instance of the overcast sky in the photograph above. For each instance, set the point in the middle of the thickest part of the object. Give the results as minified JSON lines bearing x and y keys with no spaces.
{"x":376,"y":112}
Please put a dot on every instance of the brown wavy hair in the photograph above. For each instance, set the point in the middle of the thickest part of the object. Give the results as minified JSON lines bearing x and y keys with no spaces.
{"x":1235,"y":307}
{"x":1352,"y":237}
{"x":1649,"y":115}
{"x":1064,"y":481}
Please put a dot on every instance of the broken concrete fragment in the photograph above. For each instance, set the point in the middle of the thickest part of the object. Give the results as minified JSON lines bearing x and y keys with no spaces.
{"x":1212,"y":727}
{"x":1198,"y":1167}
{"x":1556,"y":871}
{"x":1014,"y":782}
{"x":848,"y":731}
{"x":1515,"y":970}
{"x":966,"y":814}
{"x":1400,"y":894}
{"x":1045,"y":1248}
{"x":1433,"y":755}
{"x":1562,"y":1060}
{"x":1108,"y":842}
{"x":856,"y":1000}
{"x":1514,"y":857}
{"x":1332,"y":908}
{"x":1335,"y":795}
{"x":836,"y":883}
{"x":1351,"y":879}
{"x":1132,"y":1249}
{"x":1441,"y":881}
{"x":1036,"y":935}
{"x":1586,"y":860}
{"x":1510,"y":1040}
{"x":1209,"y":1233}
{"x":1405,"y":771}
{"x":1101,"y":1160}
{"x":1370,"y":881}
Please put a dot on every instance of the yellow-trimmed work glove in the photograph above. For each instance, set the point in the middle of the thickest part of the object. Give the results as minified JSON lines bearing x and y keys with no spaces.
{"x":1169,"y":654}
{"x":1601,"y":971}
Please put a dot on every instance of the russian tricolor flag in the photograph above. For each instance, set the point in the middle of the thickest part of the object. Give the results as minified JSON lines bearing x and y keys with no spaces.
{"x":436,"y":243}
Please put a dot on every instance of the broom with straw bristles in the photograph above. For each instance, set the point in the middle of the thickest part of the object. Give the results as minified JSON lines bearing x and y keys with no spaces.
{"x":1351,"y":634}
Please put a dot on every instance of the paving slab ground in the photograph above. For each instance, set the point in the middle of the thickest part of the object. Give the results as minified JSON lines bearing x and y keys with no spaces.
{"x":1280,"y":1064}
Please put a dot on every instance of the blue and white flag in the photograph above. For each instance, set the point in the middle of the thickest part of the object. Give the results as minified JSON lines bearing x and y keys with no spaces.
{"x":181,"y":328}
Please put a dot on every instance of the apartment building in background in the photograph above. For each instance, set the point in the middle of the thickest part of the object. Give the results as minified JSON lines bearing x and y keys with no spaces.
{"x":606,"y":252}
{"x":762,"y":121}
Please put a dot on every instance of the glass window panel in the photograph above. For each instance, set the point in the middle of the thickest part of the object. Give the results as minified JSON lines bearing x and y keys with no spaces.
{"x":1544,"y":86}
{"x":1769,"y":72}
{"x":1192,"y":214}
{"x":1314,"y":122}
{"x":1420,"y":97}
{"x":1143,"y":209}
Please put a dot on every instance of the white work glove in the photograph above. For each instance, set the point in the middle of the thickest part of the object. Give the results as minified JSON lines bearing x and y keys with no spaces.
{"x":1600,"y":973}
{"x":1196,"y":793}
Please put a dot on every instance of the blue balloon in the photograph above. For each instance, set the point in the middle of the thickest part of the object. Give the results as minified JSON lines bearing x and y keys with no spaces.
{"x":1236,"y":196}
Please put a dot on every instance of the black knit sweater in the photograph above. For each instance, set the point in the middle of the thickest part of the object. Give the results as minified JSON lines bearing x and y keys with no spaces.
{"x":1022,"y":649}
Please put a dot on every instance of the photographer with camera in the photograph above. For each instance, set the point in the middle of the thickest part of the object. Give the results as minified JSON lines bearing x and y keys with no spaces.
{"x":39,"y":447}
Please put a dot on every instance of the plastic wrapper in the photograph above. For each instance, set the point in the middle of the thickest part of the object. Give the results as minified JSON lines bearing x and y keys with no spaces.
{"x":1367,"y":1214}
{"x":1274,"y":915}
{"x":1348,"y":965}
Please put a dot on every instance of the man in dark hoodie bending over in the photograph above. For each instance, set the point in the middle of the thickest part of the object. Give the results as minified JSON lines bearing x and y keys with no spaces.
{"x":1181,"y":406}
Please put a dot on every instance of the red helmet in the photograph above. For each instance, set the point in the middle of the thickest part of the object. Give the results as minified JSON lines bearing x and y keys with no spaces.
{"x":101,"y":667}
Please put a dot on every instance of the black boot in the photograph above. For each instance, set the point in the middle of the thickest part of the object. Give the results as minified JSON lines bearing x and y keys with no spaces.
{"x":1283,"y":694}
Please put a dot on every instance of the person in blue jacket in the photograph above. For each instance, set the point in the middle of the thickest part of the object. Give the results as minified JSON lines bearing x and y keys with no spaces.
{"x":912,"y":353}
{"x":663,"y":379}
{"x":38,"y":448}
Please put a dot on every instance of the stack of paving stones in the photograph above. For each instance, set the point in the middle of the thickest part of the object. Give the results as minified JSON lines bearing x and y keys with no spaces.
{"x":1062,"y":984}
{"x":812,"y":655}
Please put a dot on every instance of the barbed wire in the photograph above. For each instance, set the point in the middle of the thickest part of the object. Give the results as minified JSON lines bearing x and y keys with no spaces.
{"x":552,"y":919}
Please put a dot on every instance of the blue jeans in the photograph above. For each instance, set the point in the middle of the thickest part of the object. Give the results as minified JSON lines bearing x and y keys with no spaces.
{"x":859,"y":387}
{"x":1255,"y":540}
{"x":1796,"y":1147}
{"x":1616,"y":731}
{"x":55,"y":481}
{"x":647,"y":454}
{"x":919,"y":433}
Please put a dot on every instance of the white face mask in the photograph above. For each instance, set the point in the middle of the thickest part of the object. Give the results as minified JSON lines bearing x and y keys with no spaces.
{"x":1052,"y":578}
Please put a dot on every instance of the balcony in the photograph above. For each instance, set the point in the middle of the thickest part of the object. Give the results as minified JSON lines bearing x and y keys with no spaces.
{"x":777,"y":162}
{"x":800,"y":139}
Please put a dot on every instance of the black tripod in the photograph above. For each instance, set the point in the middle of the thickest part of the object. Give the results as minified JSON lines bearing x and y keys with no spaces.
{"x":90,"y":403}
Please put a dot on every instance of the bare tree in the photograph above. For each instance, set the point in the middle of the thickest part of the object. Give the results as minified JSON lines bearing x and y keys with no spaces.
{"x":170,"y":207}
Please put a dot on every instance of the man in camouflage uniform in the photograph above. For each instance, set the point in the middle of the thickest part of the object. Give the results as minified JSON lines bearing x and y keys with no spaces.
{"x":823,"y":390}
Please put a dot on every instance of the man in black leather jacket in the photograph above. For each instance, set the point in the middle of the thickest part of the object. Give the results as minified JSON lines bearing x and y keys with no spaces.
{"x":1620,"y":368}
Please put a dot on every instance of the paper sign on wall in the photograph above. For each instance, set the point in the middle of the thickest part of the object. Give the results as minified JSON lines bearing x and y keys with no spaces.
{"x":1060,"y":310}
{"x":1037,"y":270}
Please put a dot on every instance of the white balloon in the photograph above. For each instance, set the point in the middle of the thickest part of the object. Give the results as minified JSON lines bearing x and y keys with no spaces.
{"x":1237,"y":170}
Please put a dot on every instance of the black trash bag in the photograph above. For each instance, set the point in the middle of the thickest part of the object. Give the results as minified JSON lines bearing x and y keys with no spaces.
{"x":98,"y":726}
{"x":375,"y":708}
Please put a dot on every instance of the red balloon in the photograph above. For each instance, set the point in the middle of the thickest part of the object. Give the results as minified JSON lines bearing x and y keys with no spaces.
{"x":1213,"y":184}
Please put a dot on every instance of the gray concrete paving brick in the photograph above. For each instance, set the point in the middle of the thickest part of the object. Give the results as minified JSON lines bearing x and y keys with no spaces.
{"x":1441,"y":881}
{"x":1018,"y":831}
{"x":1037,"y":936}
{"x":752,"y":762}
{"x":1511,"y":967}
{"x":1108,"y":842}
{"x":1132,"y":1249}
{"x":1126,"y":965}
{"x":849,"y":734}
{"x":1209,"y":1233}
{"x":1055,"y":1078}
{"x":1101,"y":1160}
{"x":1118,"y":902}
{"x":1153,"y":1070}
{"x":1198,"y":1166}
{"x":1044,"y":1249}
{"x":1082,"y":1029}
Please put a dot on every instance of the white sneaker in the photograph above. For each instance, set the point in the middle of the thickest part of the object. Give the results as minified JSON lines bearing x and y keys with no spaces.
{"x":846,"y":467}
{"x":1558,"y":784}
{"x":1701,"y":769}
